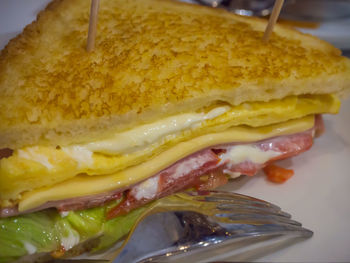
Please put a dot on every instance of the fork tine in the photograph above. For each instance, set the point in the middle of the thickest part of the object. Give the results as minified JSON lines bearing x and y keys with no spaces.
{"x":280,"y":229}
{"x":238,"y":200}
{"x":253,"y":209}
{"x":257,"y":218}
{"x":227,"y":197}
{"x":269,"y":228}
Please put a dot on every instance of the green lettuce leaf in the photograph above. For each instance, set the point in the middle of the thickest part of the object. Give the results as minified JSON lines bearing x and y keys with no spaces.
{"x":27,"y":234}
{"x":47,"y":230}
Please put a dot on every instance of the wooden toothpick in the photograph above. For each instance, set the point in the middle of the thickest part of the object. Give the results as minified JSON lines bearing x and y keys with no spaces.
{"x":92,"y":25}
{"x":273,"y":19}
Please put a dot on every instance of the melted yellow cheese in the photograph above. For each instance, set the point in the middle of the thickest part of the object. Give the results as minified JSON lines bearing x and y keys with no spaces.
{"x":88,"y":185}
{"x":34,"y":167}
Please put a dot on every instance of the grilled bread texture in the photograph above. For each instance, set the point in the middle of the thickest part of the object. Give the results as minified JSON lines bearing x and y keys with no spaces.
{"x":153,"y":58}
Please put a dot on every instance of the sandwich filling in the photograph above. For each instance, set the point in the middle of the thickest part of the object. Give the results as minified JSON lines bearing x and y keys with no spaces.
{"x":49,"y":174}
{"x":107,"y":217}
{"x":71,"y":194}
{"x":40,"y":166}
{"x":232,"y":159}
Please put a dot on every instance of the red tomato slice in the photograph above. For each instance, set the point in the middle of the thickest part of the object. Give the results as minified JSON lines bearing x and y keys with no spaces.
{"x":277,"y":174}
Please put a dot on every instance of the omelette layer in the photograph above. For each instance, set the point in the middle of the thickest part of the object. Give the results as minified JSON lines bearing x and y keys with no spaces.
{"x":32,"y":168}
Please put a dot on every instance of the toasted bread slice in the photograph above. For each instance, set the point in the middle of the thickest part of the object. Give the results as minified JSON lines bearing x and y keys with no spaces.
{"x":153,"y":58}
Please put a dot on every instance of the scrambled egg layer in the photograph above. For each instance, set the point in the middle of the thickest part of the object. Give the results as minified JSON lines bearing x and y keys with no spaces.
{"x":40,"y":166}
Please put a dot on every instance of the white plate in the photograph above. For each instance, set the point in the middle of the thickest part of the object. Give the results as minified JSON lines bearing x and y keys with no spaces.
{"x":318,"y":195}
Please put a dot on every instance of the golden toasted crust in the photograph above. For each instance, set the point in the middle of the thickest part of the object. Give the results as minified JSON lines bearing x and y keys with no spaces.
{"x":152,"y":58}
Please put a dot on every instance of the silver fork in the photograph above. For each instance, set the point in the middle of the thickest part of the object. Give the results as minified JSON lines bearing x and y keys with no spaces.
{"x":196,"y":227}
